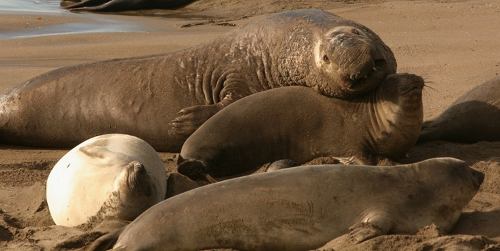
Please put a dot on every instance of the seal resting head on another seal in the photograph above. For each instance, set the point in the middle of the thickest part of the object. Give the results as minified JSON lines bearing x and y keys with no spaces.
{"x":299,"y":124}
{"x":113,"y":176}
{"x":305,"y":207}
{"x":473,"y":117}
{"x":177,"y":92}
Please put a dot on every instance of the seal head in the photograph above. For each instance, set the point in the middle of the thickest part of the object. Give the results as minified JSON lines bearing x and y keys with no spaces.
{"x":398,"y":106}
{"x":113,"y":176}
{"x":354,"y":58}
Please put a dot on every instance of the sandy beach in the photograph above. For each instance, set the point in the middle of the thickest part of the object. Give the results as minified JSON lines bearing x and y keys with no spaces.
{"x":453,"y":44}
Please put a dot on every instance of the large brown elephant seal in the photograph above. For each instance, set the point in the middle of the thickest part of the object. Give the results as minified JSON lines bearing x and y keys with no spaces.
{"x":142,"y":96}
{"x":299,"y":124}
{"x":120,"y":5}
{"x":112,"y":176}
{"x":473,"y":117}
{"x":303,"y":208}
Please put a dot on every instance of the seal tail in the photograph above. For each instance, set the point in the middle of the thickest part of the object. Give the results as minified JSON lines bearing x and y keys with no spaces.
{"x":106,"y":241}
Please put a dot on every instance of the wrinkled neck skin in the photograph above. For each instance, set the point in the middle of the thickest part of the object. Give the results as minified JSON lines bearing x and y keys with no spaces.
{"x":290,"y":57}
{"x":393,"y":123}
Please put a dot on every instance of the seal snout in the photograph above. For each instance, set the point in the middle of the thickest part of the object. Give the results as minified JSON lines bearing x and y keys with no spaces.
{"x":356,"y":56}
{"x":410,"y":83}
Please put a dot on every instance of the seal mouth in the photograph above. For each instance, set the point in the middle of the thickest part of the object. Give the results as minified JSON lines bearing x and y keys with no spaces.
{"x":369,"y":79}
{"x":414,"y":85}
{"x":355,"y":79}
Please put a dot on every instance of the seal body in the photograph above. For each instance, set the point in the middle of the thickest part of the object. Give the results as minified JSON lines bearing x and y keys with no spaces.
{"x":299,"y":124}
{"x":109,"y":176}
{"x":473,"y":117}
{"x":303,"y":208}
{"x":172,"y":94}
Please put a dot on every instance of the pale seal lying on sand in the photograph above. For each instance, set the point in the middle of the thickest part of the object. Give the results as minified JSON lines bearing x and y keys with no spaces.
{"x":143,"y":96}
{"x":110,"y":176}
{"x":303,"y":208}
{"x":299,"y":124}
{"x":120,"y":5}
{"x":473,"y":117}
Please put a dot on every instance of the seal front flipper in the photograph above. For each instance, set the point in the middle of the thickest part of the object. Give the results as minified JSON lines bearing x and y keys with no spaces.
{"x":218,"y":92}
{"x":191,"y":118}
{"x":373,"y":225}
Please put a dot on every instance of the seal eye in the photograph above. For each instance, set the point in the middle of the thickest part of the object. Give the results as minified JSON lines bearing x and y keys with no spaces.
{"x":326,"y":59}
{"x":356,"y":32}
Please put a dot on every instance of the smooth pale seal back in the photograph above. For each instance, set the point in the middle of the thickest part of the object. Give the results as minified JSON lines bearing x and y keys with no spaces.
{"x":113,"y":175}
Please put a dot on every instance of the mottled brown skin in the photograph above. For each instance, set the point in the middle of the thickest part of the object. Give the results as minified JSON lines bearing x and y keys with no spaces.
{"x":297,"y":123}
{"x":121,"y":5}
{"x":473,"y":117}
{"x":305,"y":207}
{"x":143,"y":96}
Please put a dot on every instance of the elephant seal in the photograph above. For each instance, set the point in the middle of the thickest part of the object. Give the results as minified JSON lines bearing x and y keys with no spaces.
{"x":112,"y":176}
{"x":143,"y":96}
{"x":299,"y":124}
{"x":305,"y":207}
{"x":473,"y":117}
{"x":120,"y":5}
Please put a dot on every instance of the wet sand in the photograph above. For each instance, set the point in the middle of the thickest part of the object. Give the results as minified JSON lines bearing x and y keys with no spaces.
{"x":454,"y":45}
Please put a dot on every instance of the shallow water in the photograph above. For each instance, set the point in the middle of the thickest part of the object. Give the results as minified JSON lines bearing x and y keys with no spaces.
{"x":106,"y":25}
{"x":30,"y":6}
{"x":92,"y":23}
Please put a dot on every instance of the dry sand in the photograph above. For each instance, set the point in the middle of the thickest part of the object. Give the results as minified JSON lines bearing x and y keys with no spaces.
{"x":455,"y":45}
